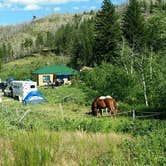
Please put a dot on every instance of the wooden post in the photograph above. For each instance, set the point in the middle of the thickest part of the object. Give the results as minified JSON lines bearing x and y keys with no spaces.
{"x":24,"y":115}
{"x":61,"y":108}
{"x":0,"y":96}
{"x":133,"y":114}
{"x":17,"y":112}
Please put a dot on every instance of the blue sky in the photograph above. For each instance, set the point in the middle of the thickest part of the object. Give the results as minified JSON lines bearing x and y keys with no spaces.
{"x":19,"y":11}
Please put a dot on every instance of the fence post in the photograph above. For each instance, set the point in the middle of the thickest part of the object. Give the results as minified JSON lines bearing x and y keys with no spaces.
{"x":1,"y":98}
{"x":133,"y":114}
{"x":24,"y":115}
{"x":61,"y":108}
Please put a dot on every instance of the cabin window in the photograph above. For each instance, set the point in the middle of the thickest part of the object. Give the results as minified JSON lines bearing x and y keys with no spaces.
{"x":46,"y":78}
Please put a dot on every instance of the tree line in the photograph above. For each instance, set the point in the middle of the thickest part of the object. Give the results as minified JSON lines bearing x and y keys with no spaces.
{"x":127,"y":52}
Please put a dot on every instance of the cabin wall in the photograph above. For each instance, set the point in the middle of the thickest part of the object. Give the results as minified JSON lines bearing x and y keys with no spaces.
{"x":41,"y":80}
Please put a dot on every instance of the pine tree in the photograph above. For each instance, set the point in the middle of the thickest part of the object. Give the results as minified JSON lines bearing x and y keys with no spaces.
{"x":107,"y":34}
{"x":1,"y":57}
{"x":82,"y":51}
{"x":133,"y":25}
{"x":49,"y":40}
{"x":39,"y":40}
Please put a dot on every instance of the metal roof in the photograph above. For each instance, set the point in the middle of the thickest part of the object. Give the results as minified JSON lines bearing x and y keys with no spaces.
{"x":56,"y":69}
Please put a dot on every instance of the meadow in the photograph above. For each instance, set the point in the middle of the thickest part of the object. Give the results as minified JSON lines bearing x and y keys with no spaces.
{"x":60,"y":132}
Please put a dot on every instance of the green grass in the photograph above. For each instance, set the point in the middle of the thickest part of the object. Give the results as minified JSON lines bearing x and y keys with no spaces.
{"x":23,"y":68}
{"x":60,"y":132}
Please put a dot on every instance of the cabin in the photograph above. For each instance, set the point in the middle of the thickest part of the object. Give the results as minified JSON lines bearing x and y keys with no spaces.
{"x":54,"y":73}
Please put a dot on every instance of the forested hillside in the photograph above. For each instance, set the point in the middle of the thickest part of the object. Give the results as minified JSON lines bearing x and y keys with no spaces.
{"x":32,"y":37}
{"x":125,"y":44}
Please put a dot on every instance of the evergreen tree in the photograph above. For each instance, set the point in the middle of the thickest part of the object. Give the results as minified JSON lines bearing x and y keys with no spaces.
{"x":4,"y":52}
{"x":1,"y":57}
{"x":133,"y":25}
{"x":107,"y":34}
{"x":49,"y":40}
{"x":82,"y":50}
{"x":9,"y":52}
{"x":39,"y":40}
{"x":63,"y":39}
{"x":156,"y":32}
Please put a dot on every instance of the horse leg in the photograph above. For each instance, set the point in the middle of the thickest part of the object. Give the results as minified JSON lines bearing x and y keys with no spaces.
{"x":101,"y":111}
{"x":95,"y":112}
{"x":108,"y":110}
{"x":111,"y":112}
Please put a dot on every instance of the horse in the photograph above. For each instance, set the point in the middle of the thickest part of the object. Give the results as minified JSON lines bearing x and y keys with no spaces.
{"x":104,"y":102}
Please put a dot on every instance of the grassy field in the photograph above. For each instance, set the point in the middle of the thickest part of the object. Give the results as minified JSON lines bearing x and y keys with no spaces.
{"x":60,"y":132}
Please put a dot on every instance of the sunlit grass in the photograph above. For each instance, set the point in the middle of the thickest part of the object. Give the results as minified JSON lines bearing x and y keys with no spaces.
{"x":62,"y":148}
{"x":59,"y":132}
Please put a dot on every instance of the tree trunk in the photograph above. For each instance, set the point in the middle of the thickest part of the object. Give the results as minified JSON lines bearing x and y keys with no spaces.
{"x":151,"y":69}
{"x":132,"y":58}
{"x":132,"y":62}
{"x":122,"y":56}
{"x":145,"y":89}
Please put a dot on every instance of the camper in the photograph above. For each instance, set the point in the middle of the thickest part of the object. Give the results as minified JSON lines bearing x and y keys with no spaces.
{"x":20,"y":89}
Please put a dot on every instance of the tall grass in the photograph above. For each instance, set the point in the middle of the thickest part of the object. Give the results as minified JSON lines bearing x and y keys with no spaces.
{"x":61,"y":133}
{"x":63,"y":148}
{"x":43,"y":147}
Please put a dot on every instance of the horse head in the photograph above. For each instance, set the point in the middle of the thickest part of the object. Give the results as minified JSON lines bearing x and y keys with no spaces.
{"x":97,"y":105}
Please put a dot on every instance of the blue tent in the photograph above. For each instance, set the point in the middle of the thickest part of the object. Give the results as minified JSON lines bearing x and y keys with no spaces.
{"x":34,"y":97}
{"x":8,"y":80}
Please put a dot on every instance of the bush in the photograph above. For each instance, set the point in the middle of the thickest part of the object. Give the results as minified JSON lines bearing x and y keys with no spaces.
{"x":109,"y":80}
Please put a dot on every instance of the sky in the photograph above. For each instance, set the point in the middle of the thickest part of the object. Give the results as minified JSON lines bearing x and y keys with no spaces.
{"x":19,"y":11}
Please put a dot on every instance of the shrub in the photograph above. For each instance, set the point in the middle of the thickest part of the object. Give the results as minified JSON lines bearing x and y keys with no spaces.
{"x":109,"y":80}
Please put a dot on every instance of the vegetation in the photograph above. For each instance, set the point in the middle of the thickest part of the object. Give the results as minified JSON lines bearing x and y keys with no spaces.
{"x":124,"y":52}
{"x":54,"y":133}
{"x":107,"y":34}
{"x":22,"y":69}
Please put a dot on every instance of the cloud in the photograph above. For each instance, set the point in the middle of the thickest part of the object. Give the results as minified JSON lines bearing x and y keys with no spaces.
{"x":39,"y":2}
{"x":76,"y":8}
{"x":5,"y":5}
{"x":1,"y":5}
{"x":32,"y":7}
{"x":56,"y":9}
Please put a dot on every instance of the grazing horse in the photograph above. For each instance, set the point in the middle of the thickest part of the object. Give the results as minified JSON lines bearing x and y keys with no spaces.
{"x":104,"y":102}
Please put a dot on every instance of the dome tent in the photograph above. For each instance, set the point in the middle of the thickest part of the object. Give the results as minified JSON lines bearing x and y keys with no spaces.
{"x":34,"y":97}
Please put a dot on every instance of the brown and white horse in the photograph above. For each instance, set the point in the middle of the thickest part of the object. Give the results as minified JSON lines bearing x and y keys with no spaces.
{"x":104,"y":102}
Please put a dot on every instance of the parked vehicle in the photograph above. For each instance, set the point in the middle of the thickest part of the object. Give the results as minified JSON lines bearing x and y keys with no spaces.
{"x":3,"y":86}
{"x":25,"y":91}
{"x":20,"y":89}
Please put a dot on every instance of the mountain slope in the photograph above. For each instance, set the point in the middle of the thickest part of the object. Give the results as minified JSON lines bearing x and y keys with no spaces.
{"x":20,"y":40}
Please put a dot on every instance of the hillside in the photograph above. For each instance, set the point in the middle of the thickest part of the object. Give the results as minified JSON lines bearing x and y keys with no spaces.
{"x":20,"y":40}
{"x":49,"y":23}
{"x":22,"y":68}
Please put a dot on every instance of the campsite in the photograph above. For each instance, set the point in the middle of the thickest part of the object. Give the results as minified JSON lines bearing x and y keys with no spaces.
{"x":84,"y":88}
{"x":54,"y":132}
